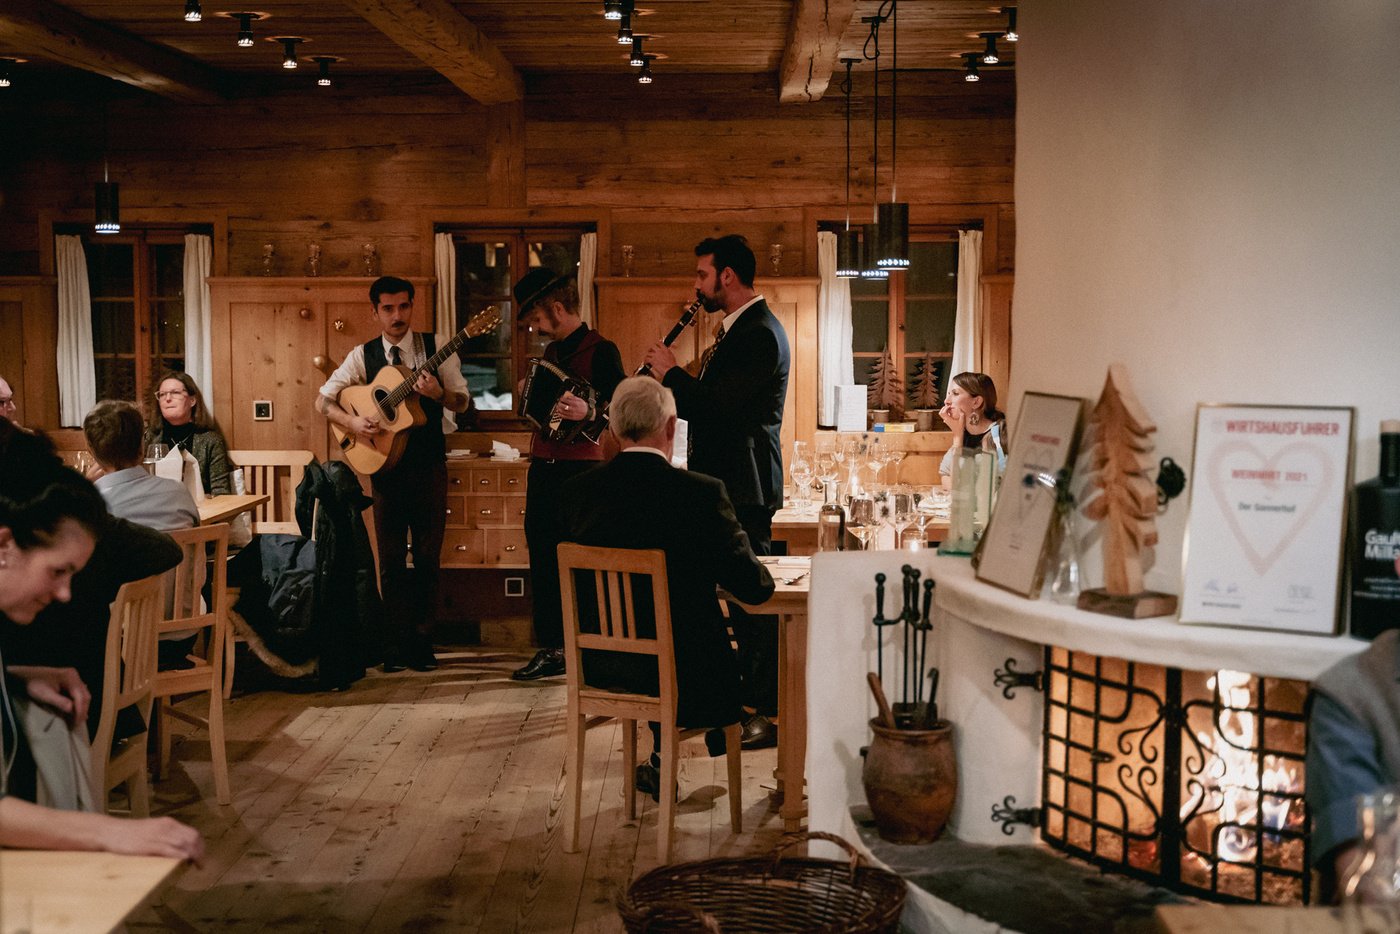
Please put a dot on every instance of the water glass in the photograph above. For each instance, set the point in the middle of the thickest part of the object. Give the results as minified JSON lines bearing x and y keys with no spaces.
{"x":862,"y":520}
{"x":154,"y":452}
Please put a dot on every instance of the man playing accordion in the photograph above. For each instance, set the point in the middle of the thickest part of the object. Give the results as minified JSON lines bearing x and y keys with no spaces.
{"x":548,"y":303}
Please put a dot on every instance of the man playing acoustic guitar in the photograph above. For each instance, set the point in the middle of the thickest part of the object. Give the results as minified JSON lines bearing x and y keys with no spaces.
{"x":410,"y":497}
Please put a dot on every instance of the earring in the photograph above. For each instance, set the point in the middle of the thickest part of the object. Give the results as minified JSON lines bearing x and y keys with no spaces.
{"x":974,"y":419}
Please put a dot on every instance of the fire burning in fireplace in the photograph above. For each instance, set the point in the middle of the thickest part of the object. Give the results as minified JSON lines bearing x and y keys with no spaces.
{"x":1191,"y":780}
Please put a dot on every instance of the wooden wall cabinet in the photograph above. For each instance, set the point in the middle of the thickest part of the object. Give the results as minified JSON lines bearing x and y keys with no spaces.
{"x":268,"y":335}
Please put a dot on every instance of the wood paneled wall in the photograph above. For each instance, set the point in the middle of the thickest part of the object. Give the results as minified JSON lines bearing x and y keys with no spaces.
{"x":656,"y":167}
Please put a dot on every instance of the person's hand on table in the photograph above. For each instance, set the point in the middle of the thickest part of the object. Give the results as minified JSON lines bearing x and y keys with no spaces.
{"x":155,"y":836}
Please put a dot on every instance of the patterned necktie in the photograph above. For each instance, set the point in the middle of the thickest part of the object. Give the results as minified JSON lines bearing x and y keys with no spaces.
{"x":395,"y":357}
{"x":710,"y":352}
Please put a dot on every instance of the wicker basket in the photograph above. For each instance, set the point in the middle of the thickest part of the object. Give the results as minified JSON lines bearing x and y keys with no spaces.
{"x":766,"y":893}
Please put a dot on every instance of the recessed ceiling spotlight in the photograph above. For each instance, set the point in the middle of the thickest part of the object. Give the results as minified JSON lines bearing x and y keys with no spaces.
{"x":989,"y":55}
{"x":644,"y":76}
{"x":193,"y":13}
{"x":970,"y":60}
{"x":323,"y":75}
{"x":1011,"y":34}
{"x":289,"y":48}
{"x":246,"y":19}
{"x":612,"y":9}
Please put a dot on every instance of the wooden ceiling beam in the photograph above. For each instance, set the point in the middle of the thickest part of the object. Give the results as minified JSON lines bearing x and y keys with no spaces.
{"x":814,"y":37}
{"x":49,"y":31}
{"x":435,"y":33}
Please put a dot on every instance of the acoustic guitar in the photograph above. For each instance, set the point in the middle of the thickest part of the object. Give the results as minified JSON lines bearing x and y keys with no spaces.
{"x":390,"y":398}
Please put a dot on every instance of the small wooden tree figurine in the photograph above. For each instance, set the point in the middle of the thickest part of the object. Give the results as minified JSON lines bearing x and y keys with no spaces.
{"x":1120,"y":494}
{"x":924,"y":392}
{"x":886,"y":389}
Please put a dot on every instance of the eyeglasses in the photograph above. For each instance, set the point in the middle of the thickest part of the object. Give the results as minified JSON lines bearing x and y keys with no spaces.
{"x":171,"y":394}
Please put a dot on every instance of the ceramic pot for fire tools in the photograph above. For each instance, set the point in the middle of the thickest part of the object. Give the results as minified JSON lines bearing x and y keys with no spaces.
{"x":911,"y":781}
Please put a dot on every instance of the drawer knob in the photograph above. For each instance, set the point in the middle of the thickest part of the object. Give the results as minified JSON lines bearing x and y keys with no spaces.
{"x":513,"y":481}
{"x":483,"y":481}
{"x":449,"y":512}
{"x":486,"y":512}
{"x":510,"y":548}
{"x":460,"y":547}
{"x":456,"y":481}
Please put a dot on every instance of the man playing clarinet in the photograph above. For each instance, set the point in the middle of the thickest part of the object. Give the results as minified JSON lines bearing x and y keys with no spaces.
{"x":548,"y":303}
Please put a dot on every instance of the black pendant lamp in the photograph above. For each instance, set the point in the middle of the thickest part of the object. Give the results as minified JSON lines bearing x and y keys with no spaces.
{"x":892,"y":251}
{"x":848,"y":239}
{"x":106,"y":201}
{"x":870,"y":267}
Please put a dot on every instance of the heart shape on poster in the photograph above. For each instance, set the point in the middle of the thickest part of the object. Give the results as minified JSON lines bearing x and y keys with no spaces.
{"x":1262,"y":545}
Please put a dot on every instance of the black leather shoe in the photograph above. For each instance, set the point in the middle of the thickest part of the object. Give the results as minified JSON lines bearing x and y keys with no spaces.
{"x":424,"y":661}
{"x":648,"y":779}
{"x":389,"y":667}
{"x":759,"y":733}
{"x":546,"y":664}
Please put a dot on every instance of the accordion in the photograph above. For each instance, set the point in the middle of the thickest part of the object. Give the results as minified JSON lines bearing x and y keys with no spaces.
{"x":545,"y":385}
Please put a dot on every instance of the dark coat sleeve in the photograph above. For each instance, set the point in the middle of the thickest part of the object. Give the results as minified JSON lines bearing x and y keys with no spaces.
{"x":212,"y":454}
{"x":737,"y":569}
{"x":607,"y":369}
{"x":734,"y":396}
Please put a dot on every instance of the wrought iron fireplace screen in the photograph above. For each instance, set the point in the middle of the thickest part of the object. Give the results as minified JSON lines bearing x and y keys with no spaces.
{"x":1191,"y":780}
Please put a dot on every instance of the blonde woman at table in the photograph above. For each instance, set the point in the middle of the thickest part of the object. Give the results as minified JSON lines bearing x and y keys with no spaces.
{"x":48,"y":521}
{"x":180,"y":419}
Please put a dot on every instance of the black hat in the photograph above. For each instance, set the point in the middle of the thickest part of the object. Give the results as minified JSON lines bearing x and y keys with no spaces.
{"x":535,"y":285}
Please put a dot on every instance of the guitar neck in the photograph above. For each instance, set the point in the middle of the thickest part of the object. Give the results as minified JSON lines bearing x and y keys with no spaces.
{"x":446,"y":350}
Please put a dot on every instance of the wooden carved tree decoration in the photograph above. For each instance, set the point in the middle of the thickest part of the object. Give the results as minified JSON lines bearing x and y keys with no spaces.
{"x":924,"y":392}
{"x":886,"y":388}
{"x":1118,"y":491}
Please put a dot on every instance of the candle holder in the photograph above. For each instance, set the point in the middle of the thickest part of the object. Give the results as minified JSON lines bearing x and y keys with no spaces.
{"x":629,"y":252}
{"x":313,"y":259}
{"x":775,"y":256}
{"x":268,"y":256}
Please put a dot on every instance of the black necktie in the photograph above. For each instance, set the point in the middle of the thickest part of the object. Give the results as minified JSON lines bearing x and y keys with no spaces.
{"x":395,"y":357}
{"x":710,"y":351}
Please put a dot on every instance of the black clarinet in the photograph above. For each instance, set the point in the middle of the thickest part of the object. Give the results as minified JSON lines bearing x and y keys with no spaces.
{"x":686,"y":320}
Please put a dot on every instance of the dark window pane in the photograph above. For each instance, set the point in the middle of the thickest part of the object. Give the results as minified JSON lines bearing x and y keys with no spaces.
{"x":492,"y":342}
{"x":562,"y":257}
{"x":928,"y":324}
{"x":483,"y":273}
{"x":491,"y":383}
{"x":116,"y":378}
{"x":169,"y":327}
{"x":933,"y":269}
{"x":111,"y":270}
{"x":869,"y":326}
{"x":113,"y":328}
{"x":168,"y":265}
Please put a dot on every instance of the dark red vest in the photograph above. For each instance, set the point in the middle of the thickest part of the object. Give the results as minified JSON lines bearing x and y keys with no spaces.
{"x":579,"y":364}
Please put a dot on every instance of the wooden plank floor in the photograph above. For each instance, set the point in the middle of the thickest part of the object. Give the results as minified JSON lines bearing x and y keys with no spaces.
{"x":428,"y":801}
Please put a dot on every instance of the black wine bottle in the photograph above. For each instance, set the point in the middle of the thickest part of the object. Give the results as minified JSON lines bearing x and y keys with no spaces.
{"x":1375,"y":549}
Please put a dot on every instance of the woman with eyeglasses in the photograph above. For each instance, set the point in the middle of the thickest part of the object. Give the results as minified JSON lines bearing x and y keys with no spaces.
{"x":180,"y":419}
{"x":49,"y":521}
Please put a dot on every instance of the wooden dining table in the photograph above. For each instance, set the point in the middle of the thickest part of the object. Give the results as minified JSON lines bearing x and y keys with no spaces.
{"x":798,"y":529}
{"x":81,"y":893}
{"x":789,"y":604}
{"x":225,"y":506}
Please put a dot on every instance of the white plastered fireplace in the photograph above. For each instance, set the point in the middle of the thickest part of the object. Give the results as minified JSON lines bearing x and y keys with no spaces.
{"x":998,"y":740}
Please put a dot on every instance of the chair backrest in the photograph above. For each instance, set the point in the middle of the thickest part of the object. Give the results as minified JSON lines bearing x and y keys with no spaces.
{"x":277,"y":473}
{"x":184,"y":607}
{"x":615,"y":573}
{"x":130,"y":664}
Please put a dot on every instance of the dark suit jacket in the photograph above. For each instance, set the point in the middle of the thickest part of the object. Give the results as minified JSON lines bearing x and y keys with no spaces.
{"x":638,"y":500}
{"x":736,"y":411}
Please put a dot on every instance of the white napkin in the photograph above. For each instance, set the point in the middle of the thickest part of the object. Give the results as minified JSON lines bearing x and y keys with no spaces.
{"x":788,"y":561}
{"x":504,"y":452}
{"x":179,"y":465}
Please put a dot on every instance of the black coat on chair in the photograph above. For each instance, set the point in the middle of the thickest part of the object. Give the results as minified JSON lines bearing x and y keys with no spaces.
{"x":638,"y":500}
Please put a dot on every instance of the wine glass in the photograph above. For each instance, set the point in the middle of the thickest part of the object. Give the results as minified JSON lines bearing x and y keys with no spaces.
{"x":828,"y":465}
{"x":874,"y":459}
{"x":902,"y":512}
{"x":801,"y":473}
{"x":154,"y":452}
{"x":862,"y":520}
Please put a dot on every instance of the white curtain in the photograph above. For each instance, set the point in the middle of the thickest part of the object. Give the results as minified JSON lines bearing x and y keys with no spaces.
{"x":587,"y":269}
{"x":835,"y":363}
{"x":967,"y":331}
{"x":77,"y":379}
{"x":199,"y":315}
{"x":445,"y":302}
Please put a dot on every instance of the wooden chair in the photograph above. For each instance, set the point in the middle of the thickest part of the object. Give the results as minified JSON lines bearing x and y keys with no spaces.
{"x":127,"y":682}
{"x":208,"y":672}
{"x":615,"y":572}
{"x":277,"y":473}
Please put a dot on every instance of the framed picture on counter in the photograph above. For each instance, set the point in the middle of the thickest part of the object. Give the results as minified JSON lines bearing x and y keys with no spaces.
{"x":1011,"y":554}
{"x":1266,"y":524}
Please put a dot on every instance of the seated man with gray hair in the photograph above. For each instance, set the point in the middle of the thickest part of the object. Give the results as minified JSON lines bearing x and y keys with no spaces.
{"x":638,"y":500}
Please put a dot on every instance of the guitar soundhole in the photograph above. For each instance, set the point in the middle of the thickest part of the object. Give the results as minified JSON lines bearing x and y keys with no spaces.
{"x":379,"y":396}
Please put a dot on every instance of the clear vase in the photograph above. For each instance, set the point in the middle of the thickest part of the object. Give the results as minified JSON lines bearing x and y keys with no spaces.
{"x":1373,"y":878}
{"x":1064,"y":580}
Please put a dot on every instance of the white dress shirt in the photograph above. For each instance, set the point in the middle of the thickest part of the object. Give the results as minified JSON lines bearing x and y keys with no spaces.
{"x":351,"y":371}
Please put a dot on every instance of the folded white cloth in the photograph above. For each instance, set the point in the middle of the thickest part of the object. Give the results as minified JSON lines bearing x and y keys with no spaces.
{"x":789,"y":561}
{"x":504,"y":452}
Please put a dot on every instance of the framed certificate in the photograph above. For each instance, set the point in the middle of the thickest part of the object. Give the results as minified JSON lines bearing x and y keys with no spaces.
{"x":1012,"y":551}
{"x":1265,"y":530}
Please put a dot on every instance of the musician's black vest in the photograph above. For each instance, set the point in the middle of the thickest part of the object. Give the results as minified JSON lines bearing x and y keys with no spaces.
{"x":426,"y":445}
{"x":578,"y":363}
